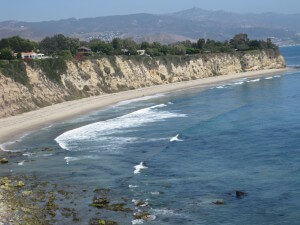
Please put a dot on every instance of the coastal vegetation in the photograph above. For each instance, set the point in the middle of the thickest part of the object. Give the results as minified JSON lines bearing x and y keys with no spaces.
{"x":67,"y":47}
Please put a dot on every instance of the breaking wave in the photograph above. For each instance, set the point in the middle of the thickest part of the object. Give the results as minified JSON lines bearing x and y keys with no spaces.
{"x":176,"y":138}
{"x":103,"y":129}
{"x":139,"y":167}
{"x":72,"y":159}
{"x":252,"y":81}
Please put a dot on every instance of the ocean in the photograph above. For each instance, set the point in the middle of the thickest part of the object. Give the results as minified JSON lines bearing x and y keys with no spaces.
{"x":181,"y":152}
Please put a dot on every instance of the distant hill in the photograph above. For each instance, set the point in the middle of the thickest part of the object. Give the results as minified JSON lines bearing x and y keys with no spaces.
{"x":188,"y":24}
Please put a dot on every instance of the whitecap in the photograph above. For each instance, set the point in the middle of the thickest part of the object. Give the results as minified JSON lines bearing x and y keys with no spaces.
{"x":28,"y":154}
{"x":255,"y":80}
{"x":164,"y":212}
{"x":3,"y":146}
{"x":132,"y":186}
{"x":155,"y":193}
{"x":139,"y":167}
{"x":140,"y":203}
{"x":176,"y":138}
{"x":220,"y":87}
{"x":277,"y":76}
{"x":268,"y":78}
{"x":100,"y":130}
{"x":238,"y":83}
{"x":21,"y":163}
{"x":72,"y":159}
{"x":137,"y":221}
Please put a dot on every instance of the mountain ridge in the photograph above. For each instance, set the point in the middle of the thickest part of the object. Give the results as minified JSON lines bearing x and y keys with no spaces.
{"x":192,"y":24}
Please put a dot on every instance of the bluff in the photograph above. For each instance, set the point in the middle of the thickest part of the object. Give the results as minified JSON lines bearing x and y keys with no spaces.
{"x":26,"y":86}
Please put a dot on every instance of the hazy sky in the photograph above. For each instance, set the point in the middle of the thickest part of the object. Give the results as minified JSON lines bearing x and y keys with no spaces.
{"x":38,"y":10}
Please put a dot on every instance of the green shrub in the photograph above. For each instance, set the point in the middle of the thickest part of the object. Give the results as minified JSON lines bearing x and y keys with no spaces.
{"x":53,"y":68}
{"x":16,"y":70}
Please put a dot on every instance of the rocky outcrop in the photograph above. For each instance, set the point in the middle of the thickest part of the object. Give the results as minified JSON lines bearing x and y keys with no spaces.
{"x":113,"y":74}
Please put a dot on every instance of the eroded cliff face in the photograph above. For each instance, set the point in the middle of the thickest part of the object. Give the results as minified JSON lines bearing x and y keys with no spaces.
{"x":113,"y":74}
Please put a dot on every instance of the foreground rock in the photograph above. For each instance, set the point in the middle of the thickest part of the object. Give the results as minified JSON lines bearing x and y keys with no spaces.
{"x":102,"y":222}
{"x":142,"y":216}
{"x":100,"y":202}
{"x":219,"y":202}
{"x":240,"y":194}
{"x":4,"y":161}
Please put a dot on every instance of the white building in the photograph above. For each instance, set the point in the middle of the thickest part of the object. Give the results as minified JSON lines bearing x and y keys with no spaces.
{"x":141,"y":52}
{"x":32,"y":55}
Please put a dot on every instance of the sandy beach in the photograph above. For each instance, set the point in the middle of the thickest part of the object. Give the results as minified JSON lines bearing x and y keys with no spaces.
{"x":13,"y":127}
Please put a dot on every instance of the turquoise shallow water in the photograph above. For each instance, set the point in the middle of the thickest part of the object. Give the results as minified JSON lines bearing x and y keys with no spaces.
{"x":181,"y":151}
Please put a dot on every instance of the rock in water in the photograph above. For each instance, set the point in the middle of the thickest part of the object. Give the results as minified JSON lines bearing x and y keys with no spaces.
{"x":3,"y":161}
{"x":20,"y":184}
{"x":142,"y":215}
{"x":219,"y":202}
{"x":102,"y":222}
{"x":240,"y":194}
{"x":101,"y":202}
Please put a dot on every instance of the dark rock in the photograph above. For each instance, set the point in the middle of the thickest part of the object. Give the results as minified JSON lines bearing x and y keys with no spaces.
{"x":240,"y":194}
{"x":119,"y":207}
{"x":100,"y":202}
{"x":3,"y":161}
{"x":102,"y":222}
{"x":219,"y":202}
{"x":142,"y":215}
{"x":47,"y":149}
{"x":141,"y":203}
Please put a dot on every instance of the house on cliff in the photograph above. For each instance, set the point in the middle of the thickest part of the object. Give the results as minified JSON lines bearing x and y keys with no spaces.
{"x":32,"y":55}
{"x":84,"y":51}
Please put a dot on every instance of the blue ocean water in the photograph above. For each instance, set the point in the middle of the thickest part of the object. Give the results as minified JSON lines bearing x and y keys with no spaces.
{"x":180,"y":152}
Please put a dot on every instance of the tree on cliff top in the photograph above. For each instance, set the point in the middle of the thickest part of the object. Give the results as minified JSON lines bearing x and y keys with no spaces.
{"x":6,"y":54}
{"x":240,"y":42}
{"x":18,"y":44}
{"x":54,"y":45}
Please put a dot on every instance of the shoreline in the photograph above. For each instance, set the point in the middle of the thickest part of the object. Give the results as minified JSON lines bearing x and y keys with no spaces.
{"x":14,"y":127}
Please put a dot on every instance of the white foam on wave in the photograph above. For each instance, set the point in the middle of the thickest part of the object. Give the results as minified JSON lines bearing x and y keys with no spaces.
{"x":137,"y":221}
{"x":176,"y":138}
{"x":277,"y":76}
{"x":101,"y":130}
{"x":220,"y":87}
{"x":140,"y":203}
{"x":132,"y":186}
{"x":238,"y":83}
{"x":21,"y":163}
{"x":4,"y":145}
{"x":28,"y":154}
{"x":139,"y":167}
{"x":252,"y":81}
{"x":144,"y":98}
{"x":164,"y":212}
{"x":72,"y":159}
{"x":268,"y":78}
{"x":141,"y":221}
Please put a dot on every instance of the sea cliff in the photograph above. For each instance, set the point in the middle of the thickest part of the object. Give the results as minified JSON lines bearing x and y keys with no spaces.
{"x":26,"y":86}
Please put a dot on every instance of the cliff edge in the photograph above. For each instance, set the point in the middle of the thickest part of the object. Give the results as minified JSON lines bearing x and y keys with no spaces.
{"x":26,"y":86}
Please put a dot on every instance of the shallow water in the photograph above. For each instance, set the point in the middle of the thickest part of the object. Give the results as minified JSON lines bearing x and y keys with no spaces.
{"x":181,"y":151}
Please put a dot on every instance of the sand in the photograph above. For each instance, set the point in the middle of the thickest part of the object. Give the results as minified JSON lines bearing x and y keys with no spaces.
{"x":13,"y":127}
